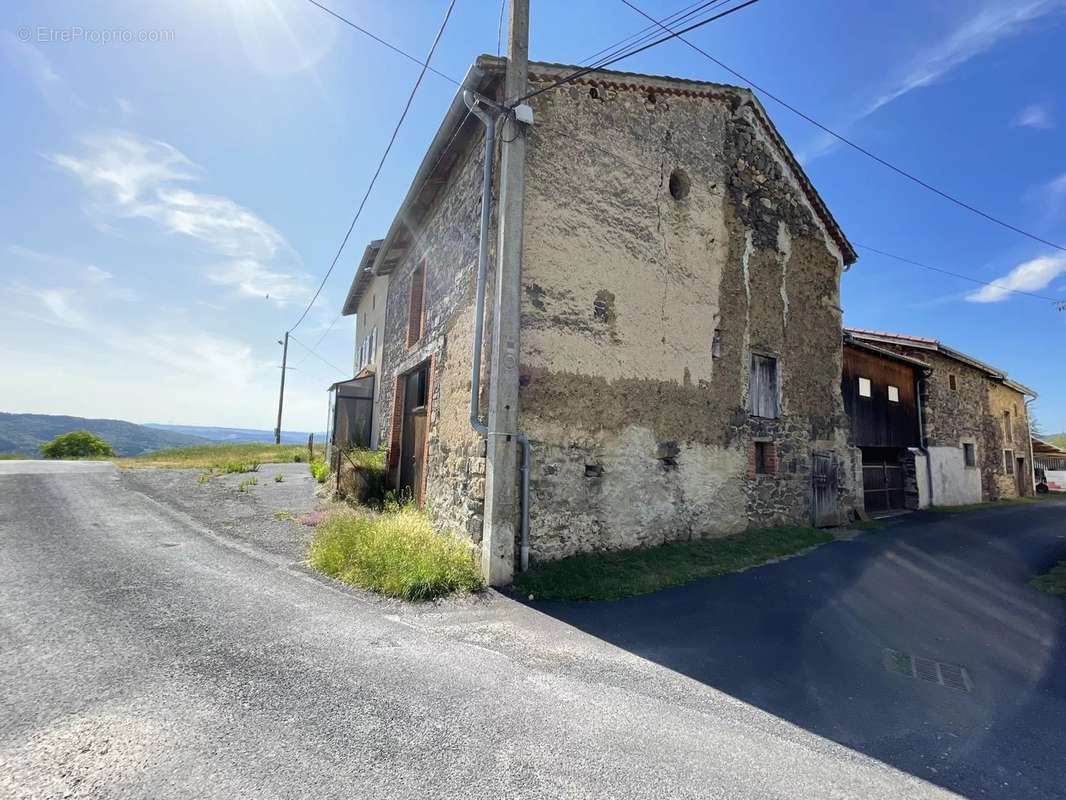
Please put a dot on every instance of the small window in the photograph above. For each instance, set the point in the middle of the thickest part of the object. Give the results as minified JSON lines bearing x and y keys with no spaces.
{"x":1008,"y":432}
{"x":1008,"y":461}
{"x":953,"y":382}
{"x":969,"y":454}
{"x":765,"y":461}
{"x":762,"y":387}
{"x":416,"y":307}
{"x":893,"y":394}
{"x":865,"y":388}
{"x":716,"y":344}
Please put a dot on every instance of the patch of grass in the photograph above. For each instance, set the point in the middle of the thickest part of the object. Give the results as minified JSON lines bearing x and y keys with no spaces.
{"x":279,"y":478}
{"x":243,"y":485}
{"x":12,"y":457}
{"x":397,"y":553}
{"x":1010,"y":501}
{"x":1053,"y":581}
{"x":320,"y":470}
{"x":624,"y":573}
{"x":284,"y":515}
{"x":204,"y":477}
{"x":217,"y":456}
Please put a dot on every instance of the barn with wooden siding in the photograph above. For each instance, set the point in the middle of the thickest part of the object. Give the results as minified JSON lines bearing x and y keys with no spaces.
{"x":880,"y":392}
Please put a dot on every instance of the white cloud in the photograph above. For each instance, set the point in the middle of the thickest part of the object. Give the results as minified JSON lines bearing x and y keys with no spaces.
{"x":994,"y":22}
{"x":1029,"y":276}
{"x":97,"y":275}
{"x":124,"y":105}
{"x":138,"y":178}
{"x":1034,"y":116}
{"x":167,"y":369}
{"x":978,"y":34}
{"x":32,"y":63}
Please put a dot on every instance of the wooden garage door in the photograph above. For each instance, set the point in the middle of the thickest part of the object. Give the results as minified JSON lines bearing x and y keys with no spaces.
{"x":882,"y":480}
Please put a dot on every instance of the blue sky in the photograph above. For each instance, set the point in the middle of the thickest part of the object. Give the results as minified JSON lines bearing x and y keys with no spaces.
{"x":169,"y":204}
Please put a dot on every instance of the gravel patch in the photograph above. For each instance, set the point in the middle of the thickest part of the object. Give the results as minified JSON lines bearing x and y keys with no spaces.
{"x":267,"y":514}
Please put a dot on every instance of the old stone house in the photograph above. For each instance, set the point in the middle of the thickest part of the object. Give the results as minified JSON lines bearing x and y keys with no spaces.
{"x":680,"y":353}
{"x":367,"y":298}
{"x":974,"y":422}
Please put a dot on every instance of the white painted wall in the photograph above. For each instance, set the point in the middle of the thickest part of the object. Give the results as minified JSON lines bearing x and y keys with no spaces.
{"x":370,"y":319}
{"x":954,"y":483}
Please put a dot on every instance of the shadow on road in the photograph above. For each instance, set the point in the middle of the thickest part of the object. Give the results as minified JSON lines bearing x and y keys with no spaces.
{"x":806,"y":640}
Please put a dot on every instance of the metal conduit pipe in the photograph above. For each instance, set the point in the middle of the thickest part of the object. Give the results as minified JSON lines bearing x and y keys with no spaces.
{"x":489,"y":122}
{"x":482,"y":258}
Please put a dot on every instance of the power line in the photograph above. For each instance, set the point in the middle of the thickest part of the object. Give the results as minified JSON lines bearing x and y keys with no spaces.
{"x":850,"y":143}
{"x":379,"y":40}
{"x":321,"y":338}
{"x":316,"y":355}
{"x":385,"y":155}
{"x":999,"y":286}
{"x":650,"y":31}
{"x":672,"y":35}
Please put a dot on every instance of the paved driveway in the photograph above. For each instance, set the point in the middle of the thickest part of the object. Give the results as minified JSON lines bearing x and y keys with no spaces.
{"x":144,"y":654}
{"x":805,"y":640}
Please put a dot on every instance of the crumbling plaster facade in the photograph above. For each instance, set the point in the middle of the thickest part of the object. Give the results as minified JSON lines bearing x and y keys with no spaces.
{"x":638,"y":421}
{"x":640,"y":432}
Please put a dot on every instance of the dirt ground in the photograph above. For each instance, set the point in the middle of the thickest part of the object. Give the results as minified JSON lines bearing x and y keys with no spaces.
{"x":267,"y":514}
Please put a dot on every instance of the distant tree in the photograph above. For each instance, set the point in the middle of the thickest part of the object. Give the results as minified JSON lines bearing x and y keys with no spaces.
{"x":1035,"y":428}
{"x":77,"y":444}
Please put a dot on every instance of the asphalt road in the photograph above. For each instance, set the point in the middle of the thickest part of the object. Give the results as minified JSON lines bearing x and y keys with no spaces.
{"x":145,"y":654}
{"x":806,"y":640}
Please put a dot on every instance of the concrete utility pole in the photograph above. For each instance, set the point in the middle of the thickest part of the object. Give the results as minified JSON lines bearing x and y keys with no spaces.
{"x":501,"y":474}
{"x":281,"y":394}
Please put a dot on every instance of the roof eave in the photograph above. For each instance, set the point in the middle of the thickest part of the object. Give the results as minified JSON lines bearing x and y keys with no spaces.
{"x":456,"y":115}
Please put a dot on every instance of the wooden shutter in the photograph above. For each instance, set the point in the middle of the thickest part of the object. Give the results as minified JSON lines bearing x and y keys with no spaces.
{"x":762,"y":387}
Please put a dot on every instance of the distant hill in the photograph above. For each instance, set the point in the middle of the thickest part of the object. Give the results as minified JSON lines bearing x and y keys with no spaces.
{"x":1057,"y":439}
{"x":25,"y":433}
{"x":235,"y":435}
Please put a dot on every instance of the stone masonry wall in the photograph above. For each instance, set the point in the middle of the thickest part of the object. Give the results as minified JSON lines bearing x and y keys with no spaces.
{"x":640,"y":312}
{"x":447,"y":243}
{"x":1014,"y":437}
{"x":971,"y":413}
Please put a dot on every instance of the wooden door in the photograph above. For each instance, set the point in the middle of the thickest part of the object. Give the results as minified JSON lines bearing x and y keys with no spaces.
{"x":824,"y":490}
{"x":413,"y":434}
{"x":1021,"y":475}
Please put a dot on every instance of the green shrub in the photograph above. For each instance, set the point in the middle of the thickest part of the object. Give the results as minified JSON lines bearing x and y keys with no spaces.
{"x":397,"y":553}
{"x":320,"y":469}
{"x":279,"y":478}
{"x":297,"y":458}
{"x":77,"y":444}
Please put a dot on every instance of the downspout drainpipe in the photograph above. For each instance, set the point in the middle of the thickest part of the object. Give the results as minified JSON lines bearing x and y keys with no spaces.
{"x":1029,"y":436}
{"x":480,"y":427}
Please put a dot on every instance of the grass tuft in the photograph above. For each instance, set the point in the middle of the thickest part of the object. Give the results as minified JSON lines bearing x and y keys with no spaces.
{"x":624,"y":573}
{"x":243,"y":486}
{"x":397,"y":553}
{"x":1053,"y":581}
{"x":279,"y":478}
{"x":320,"y":470}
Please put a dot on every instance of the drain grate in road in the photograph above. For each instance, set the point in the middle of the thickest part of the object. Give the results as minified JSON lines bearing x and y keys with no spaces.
{"x":952,"y":676}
